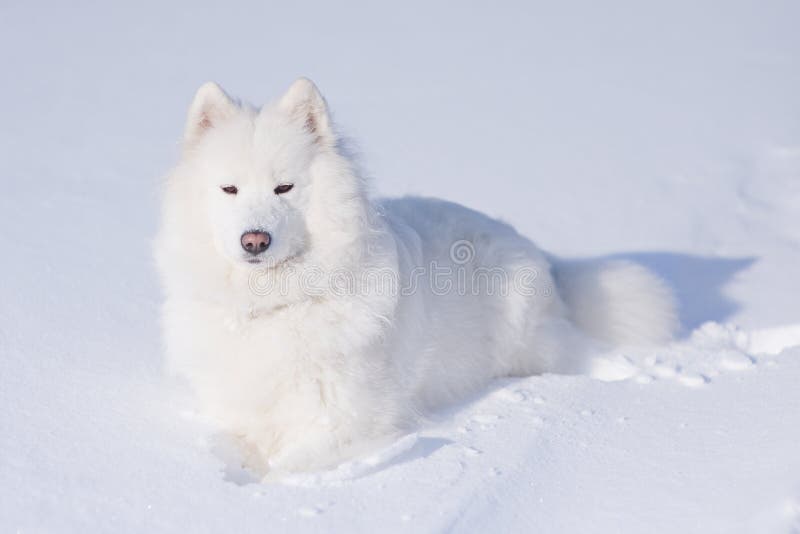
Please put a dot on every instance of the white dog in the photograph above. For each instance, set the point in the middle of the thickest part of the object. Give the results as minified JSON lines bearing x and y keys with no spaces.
{"x":314,"y":322}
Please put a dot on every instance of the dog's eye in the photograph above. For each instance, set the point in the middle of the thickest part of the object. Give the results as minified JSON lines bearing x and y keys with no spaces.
{"x":230,"y":189}
{"x":283,"y":188}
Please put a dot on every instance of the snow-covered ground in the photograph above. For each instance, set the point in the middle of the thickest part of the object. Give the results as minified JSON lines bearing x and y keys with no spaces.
{"x":669,"y":133}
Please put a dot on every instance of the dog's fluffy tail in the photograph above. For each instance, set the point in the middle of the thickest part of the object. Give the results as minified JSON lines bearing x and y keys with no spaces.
{"x":617,"y":301}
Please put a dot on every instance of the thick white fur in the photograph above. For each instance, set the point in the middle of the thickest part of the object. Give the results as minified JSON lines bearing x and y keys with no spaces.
{"x":308,"y":378}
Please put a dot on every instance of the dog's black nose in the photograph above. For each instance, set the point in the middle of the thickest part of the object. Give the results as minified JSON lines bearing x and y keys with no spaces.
{"x":255,"y":242}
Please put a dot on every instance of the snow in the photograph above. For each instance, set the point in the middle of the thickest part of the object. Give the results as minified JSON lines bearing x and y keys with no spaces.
{"x":667,"y":133}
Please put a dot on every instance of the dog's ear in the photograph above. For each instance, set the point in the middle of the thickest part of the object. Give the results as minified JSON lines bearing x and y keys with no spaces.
{"x":305,"y":103}
{"x":211,"y":105}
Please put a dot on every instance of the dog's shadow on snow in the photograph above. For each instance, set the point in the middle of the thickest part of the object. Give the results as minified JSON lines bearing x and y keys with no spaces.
{"x":698,"y":281}
{"x":235,"y":472}
{"x":424,"y":447}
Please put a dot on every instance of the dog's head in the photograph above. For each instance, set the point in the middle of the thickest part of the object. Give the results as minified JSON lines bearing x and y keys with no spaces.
{"x":261,"y":177}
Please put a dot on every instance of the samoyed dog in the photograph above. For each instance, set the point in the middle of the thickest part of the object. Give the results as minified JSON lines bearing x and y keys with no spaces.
{"x":314,"y":322}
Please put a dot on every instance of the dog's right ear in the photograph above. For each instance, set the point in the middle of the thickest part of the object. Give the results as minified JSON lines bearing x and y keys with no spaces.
{"x":211,"y":106}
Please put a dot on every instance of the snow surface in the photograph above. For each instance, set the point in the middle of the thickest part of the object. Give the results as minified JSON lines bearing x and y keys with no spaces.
{"x":669,"y":133}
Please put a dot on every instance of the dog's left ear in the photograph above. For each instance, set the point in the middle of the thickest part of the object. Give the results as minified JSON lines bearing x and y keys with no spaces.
{"x":305,"y":103}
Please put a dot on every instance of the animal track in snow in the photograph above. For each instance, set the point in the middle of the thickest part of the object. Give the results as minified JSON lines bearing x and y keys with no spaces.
{"x":712,"y":350}
{"x":737,"y":361}
{"x":472,"y":451}
{"x":309,"y":511}
{"x":517,"y":395}
{"x":663,"y":370}
{"x":485,"y":419}
{"x":693,"y":380}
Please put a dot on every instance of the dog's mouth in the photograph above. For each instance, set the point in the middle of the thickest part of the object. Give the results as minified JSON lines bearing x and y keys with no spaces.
{"x":271,"y":263}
